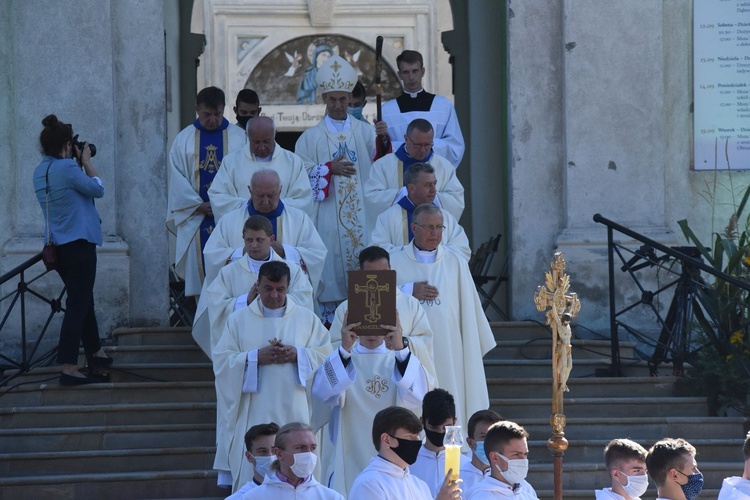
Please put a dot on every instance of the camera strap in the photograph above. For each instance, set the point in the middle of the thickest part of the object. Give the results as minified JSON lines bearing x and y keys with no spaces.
{"x":46,"y":197}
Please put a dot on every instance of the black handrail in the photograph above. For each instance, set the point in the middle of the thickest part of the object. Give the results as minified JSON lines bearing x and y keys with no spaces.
{"x":688,"y":264}
{"x":28,"y":359}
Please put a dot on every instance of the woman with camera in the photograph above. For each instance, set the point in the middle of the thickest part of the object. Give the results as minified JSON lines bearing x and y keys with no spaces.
{"x":65,"y":187}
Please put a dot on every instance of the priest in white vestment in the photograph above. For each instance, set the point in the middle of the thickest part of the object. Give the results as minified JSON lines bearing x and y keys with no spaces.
{"x":415,"y":102}
{"x":395,"y":434}
{"x":262,"y":364}
{"x":338,"y":153}
{"x":291,"y":475}
{"x":387,"y":185}
{"x":359,"y":379}
{"x":442,"y":282}
{"x":194,"y":160}
{"x":229,"y":189}
{"x":295,"y":236}
{"x":393,"y":227}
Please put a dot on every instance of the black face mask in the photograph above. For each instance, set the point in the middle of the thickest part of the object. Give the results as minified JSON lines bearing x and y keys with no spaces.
{"x":242,"y":120}
{"x":436,"y":438}
{"x":407,"y":449}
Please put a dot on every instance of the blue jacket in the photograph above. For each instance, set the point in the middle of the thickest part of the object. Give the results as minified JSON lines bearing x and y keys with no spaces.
{"x":72,"y":214}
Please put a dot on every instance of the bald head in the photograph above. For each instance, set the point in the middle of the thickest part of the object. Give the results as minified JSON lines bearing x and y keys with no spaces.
{"x":261,"y":133}
{"x":265,"y":190}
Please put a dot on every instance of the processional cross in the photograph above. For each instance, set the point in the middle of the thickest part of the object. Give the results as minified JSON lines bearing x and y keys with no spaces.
{"x":563,"y":306}
{"x":372,"y":291}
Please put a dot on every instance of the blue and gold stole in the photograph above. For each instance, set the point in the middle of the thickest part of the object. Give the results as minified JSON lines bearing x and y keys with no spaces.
{"x":273,"y":216}
{"x":408,"y":207}
{"x":407,"y":161}
{"x":210,"y":146}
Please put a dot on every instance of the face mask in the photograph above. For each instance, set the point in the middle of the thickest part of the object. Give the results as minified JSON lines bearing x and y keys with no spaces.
{"x":436,"y":438}
{"x":693,"y":487}
{"x":304,"y":464}
{"x":637,"y":485}
{"x":242,"y":120}
{"x":407,"y":449}
{"x":357,"y":113}
{"x":263,"y":464}
{"x":517,"y":469}
{"x":479,"y":452}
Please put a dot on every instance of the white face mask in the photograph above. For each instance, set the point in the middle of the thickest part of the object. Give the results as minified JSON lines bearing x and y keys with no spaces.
{"x":637,"y":485}
{"x":517,"y":469}
{"x":263,"y":464}
{"x":304,"y":464}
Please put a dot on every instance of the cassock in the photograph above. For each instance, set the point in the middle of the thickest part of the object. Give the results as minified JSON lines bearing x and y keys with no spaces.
{"x":275,"y":489}
{"x":430,"y":468}
{"x":340,"y":215}
{"x":291,"y":227}
{"x":228,"y":292}
{"x":462,"y":335}
{"x":348,"y":389}
{"x":383,"y":479}
{"x":734,"y":488}
{"x":386,"y":183}
{"x":229,"y":190}
{"x":490,"y":488}
{"x":393,"y":230}
{"x":248,"y":393}
{"x":436,"y":109}
{"x":194,"y":159}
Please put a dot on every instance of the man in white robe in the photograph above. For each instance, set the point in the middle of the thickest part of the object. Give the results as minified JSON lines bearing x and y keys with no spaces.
{"x":262,"y":364}
{"x":338,"y":154}
{"x":246,"y":106}
{"x":228,"y":190}
{"x":415,"y":102}
{"x":357,"y":380}
{"x":476,"y":430}
{"x":442,"y":282}
{"x":395,"y":434}
{"x":626,"y":466}
{"x":393,"y":227}
{"x":387,"y":185}
{"x":259,"y":442}
{"x":291,"y":476}
{"x":194,"y":159}
{"x":738,"y":487}
{"x":295,"y":236}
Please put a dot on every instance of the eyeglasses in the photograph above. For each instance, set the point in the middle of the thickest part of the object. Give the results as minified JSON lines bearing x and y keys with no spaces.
{"x":432,"y":229}
{"x":427,"y":145}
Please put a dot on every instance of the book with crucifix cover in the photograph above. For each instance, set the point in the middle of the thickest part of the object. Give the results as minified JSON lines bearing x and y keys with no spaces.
{"x":372,"y":301}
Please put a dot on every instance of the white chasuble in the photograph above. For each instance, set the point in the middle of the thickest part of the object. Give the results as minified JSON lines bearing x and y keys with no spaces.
{"x":462,"y":335}
{"x":183,"y":199}
{"x":386,"y":184}
{"x":277,"y":392}
{"x":341,"y":218}
{"x":229,"y":190}
{"x":392,"y":232}
{"x":347,"y":398}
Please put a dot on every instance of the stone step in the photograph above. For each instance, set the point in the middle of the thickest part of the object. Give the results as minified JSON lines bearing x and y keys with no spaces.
{"x":153,"y":336}
{"x":128,"y":460}
{"x":153,"y":485}
{"x":70,"y":416}
{"x":520,"y":330}
{"x":173,"y":353}
{"x":590,"y":387}
{"x":641,"y":429}
{"x":499,"y":368}
{"x":514,"y":409}
{"x":541,"y":348}
{"x":111,"y":437}
{"x":571,"y":494}
{"x":135,"y":372}
{"x":52,"y":393}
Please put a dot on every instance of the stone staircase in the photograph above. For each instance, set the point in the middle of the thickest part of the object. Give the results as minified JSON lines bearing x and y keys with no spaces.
{"x":149,"y":433}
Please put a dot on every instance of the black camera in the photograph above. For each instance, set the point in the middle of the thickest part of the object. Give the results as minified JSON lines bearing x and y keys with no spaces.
{"x":80,"y":145}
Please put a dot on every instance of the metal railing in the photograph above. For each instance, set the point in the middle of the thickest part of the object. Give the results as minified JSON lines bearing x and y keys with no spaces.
{"x":18,"y":297}
{"x":691,"y":303}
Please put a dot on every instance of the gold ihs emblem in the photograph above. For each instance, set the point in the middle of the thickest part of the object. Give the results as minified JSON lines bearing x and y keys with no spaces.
{"x":377,"y":386}
{"x":211,"y":163}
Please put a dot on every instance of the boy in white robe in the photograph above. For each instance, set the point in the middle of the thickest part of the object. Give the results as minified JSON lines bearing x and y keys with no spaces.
{"x":227,"y":191}
{"x":291,"y":476}
{"x":438,"y":411}
{"x":507,"y":450}
{"x":671,"y":465}
{"x":473,"y":471}
{"x":395,"y":434}
{"x":626,"y":466}
{"x":386,"y":185}
{"x":442,"y":282}
{"x":259,"y":441}
{"x":262,"y":364}
{"x":357,"y":380}
{"x":738,"y":487}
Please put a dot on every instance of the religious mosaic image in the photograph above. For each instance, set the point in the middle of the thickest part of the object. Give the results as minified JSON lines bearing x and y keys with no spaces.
{"x":287,"y":74}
